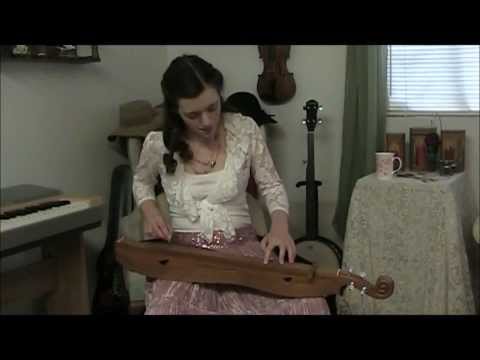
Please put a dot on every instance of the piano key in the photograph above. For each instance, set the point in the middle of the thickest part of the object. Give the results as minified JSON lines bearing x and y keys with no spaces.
{"x":46,"y":219}
{"x":19,"y":221}
{"x":31,"y":209}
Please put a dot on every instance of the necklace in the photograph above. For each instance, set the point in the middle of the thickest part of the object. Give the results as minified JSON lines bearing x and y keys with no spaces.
{"x":211,"y":163}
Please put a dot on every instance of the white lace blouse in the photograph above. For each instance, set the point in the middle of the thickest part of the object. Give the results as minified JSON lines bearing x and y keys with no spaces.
{"x":216,"y":210}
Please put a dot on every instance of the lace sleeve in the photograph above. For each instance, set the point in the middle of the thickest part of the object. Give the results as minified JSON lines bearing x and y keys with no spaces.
{"x":147,"y":170}
{"x":266,"y":176}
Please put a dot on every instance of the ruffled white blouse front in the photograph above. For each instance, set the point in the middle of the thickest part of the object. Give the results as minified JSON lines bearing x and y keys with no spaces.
{"x":216,"y":201}
{"x":230,"y":215}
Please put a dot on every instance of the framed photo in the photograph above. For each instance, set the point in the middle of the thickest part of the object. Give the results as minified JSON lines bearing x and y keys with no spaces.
{"x":453,"y":147}
{"x":395,"y":142}
{"x":418,"y":148}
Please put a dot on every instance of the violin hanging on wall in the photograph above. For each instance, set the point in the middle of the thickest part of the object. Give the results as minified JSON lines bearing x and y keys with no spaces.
{"x":276,"y":84}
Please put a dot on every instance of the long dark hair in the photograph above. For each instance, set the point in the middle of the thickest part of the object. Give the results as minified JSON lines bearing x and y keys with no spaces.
{"x":186,"y":77}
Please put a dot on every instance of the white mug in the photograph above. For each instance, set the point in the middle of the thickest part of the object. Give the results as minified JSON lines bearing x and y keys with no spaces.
{"x":385,"y":161}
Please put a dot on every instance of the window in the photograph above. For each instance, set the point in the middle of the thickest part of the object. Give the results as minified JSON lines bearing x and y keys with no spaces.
{"x":431,"y":79}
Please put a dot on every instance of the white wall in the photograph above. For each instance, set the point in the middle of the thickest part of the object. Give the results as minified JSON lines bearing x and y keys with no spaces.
{"x":55,"y":119}
{"x":319,"y":72}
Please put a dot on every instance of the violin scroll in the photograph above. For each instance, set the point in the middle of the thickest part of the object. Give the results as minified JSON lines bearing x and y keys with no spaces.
{"x":382,"y":289}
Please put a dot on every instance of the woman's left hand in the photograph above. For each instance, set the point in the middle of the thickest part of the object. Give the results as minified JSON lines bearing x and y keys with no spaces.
{"x":283,"y":241}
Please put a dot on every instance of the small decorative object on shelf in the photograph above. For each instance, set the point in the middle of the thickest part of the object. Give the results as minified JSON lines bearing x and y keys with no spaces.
{"x":38,"y":50}
{"x":50,"y":53}
{"x":20,"y":50}
{"x":67,"y":50}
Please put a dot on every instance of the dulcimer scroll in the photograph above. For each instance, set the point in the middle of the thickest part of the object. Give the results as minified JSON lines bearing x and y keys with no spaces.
{"x":162,"y":260}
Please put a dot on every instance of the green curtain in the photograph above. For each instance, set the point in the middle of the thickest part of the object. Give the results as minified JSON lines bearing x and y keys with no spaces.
{"x":364,"y":120}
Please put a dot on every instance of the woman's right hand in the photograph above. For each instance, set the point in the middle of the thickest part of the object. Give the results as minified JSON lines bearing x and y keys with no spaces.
{"x":154,"y":224}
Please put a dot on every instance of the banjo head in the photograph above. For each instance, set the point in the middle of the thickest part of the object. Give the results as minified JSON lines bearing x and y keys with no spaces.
{"x":318,"y":254}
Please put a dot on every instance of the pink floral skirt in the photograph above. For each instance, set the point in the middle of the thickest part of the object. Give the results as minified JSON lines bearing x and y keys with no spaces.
{"x":164,"y":297}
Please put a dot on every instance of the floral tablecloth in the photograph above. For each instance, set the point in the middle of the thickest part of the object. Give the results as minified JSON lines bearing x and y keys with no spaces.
{"x":412,"y":231}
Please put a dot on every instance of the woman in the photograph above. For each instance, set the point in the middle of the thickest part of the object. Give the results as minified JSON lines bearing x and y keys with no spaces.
{"x":204,"y":157}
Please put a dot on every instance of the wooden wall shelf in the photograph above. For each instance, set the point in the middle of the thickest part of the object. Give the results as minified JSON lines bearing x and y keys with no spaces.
{"x":65,"y":59}
{"x":50,"y":54}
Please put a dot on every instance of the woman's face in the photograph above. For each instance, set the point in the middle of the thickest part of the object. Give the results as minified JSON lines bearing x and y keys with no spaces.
{"x":201,"y":114}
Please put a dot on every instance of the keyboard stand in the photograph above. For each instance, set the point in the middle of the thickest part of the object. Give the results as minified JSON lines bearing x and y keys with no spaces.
{"x":60,"y":277}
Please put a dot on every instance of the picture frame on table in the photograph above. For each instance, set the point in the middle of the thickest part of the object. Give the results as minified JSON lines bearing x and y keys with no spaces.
{"x":418,"y":148}
{"x":395,"y":143}
{"x":453,"y":148}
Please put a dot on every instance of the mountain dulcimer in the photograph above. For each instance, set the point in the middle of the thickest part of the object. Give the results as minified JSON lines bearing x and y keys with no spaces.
{"x":162,"y":260}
